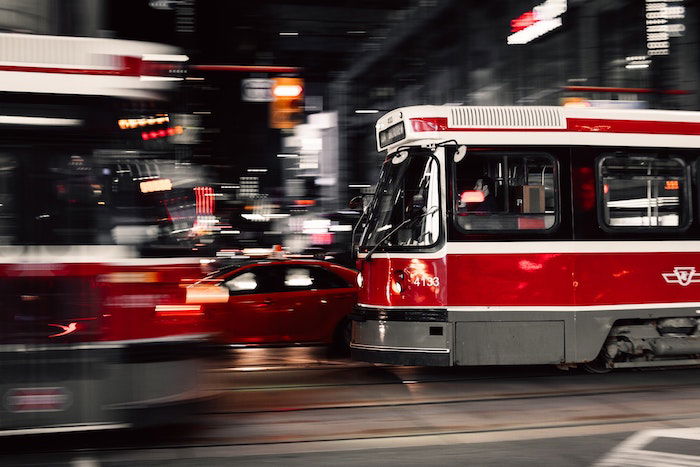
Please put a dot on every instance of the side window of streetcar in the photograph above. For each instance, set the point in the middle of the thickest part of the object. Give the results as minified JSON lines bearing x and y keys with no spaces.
{"x":508,"y":191}
{"x":643,"y":192}
{"x":8,"y":199}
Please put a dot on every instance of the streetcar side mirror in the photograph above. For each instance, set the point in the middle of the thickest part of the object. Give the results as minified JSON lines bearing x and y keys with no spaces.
{"x":460,"y":153}
{"x":360,"y":202}
{"x":356,"y":203}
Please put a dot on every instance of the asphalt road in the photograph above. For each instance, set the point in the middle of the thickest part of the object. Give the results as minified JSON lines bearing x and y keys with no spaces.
{"x":297,"y":406}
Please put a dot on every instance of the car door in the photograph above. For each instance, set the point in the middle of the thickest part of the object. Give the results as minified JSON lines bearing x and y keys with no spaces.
{"x":251,"y":314}
{"x":298,"y":299}
{"x":336,"y":296}
{"x":316,"y":305}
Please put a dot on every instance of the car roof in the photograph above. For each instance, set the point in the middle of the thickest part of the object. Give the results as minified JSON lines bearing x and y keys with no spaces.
{"x":240,"y":263}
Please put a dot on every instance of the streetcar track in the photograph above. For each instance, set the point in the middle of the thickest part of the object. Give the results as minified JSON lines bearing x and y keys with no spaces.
{"x":400,"y":381}
{"x":413,"y":380}
{"x":533,"y":396}
{"x":284,"y":387}
{"x":190,"y":440}
{"x":434,"y":433}
{"x":466,"y":432}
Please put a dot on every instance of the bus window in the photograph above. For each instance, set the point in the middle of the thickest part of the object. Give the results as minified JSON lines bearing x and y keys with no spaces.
{"x":643,"y":191}
{"x":505,"y":191}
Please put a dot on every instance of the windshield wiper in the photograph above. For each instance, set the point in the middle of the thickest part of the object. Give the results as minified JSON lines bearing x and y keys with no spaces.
{"x":429,"y":212}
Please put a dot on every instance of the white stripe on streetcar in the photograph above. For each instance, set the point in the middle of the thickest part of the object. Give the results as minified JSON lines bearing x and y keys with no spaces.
{"x":625,"y":306}
{"x":548,"y":247}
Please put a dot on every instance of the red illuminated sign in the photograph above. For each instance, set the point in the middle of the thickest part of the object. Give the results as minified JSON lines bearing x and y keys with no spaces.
{"x":523,"y":21}
{"x":155,"y":134}
{"x":204,"y":200}
{"x":540,"y":20}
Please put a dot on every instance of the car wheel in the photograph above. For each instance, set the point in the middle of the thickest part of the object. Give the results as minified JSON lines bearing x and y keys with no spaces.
{"x":342,"y":337}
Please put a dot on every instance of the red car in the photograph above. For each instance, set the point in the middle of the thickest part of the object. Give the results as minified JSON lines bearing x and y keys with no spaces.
{"x":278,"y":301}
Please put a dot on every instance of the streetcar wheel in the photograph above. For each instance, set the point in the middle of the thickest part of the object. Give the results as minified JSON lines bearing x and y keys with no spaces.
{"x":598,"y":366}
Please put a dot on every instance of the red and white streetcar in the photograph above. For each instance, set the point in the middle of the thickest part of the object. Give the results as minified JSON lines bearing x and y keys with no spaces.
{"x":532,"y":235}
{"x":93,"y":336}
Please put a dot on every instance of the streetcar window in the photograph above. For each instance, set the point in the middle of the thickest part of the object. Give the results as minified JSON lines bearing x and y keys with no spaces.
{"x":61,"y":194}
{"x":8,"y":212}
{"x":79,"y":195}
{"x":505,"y":191}
{"x":405,"y":210}
{"x":643,"y":192}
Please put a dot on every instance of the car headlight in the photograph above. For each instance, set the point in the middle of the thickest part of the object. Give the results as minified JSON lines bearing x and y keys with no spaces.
{"x":359,"y":280}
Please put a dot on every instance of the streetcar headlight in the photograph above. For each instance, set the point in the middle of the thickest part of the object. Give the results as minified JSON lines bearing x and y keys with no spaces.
{"x":396,"y":287}
{"x":359,"y":280}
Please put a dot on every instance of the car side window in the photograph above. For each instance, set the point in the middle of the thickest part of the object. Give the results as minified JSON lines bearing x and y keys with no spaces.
{"x":298,"y":278}
{"x":243,"y":283}
{"x":251,"y":281}
{"x":325,"y":279}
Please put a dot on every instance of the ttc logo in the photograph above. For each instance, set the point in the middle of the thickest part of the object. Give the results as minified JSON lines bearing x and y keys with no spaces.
{"x":683,"y":275}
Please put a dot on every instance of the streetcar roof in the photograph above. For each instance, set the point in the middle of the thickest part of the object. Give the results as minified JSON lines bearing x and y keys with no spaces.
{"x":524,"y":125}
{"x":90,"y":66}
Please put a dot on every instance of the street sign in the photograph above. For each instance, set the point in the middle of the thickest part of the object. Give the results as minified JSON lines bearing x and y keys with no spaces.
{"x":256,"y":90}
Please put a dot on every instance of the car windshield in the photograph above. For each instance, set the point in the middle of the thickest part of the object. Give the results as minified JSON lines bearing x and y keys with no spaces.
{"x":406,"y":206}
{"x":221,"y":268}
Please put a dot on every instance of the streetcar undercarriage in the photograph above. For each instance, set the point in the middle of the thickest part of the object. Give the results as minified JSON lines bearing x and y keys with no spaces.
{"x":643,"y":343}
{"x":599,"y":341}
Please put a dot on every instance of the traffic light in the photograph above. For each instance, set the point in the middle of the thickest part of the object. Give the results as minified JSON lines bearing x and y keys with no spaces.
{"x":287,"y":106}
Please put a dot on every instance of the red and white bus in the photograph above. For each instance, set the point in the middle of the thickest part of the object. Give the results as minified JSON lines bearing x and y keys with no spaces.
{"x":532,"y":235}
{"x":92,"y":335}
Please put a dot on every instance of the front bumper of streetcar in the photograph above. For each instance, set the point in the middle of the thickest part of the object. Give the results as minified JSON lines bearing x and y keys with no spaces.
{"x":401,"y":336}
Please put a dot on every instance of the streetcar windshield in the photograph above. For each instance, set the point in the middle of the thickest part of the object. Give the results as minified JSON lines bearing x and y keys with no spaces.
{"x":405,"y":211}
